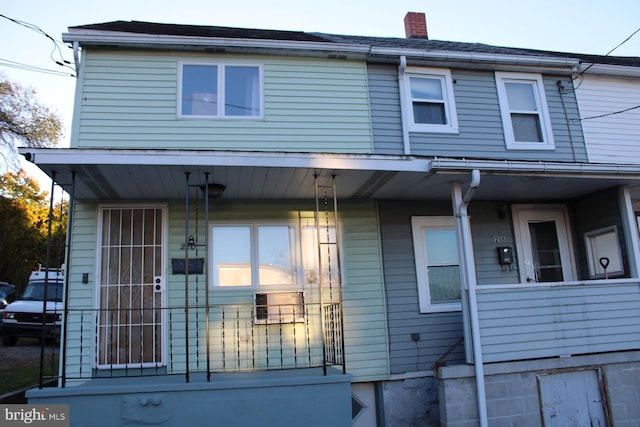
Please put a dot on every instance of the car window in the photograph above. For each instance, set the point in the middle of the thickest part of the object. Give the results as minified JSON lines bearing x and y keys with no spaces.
{"x":35,"y":292}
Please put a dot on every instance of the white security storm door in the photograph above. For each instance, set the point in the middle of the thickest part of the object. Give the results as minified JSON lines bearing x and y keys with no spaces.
{"x":130,"y":332}
{"x":543,"y":244}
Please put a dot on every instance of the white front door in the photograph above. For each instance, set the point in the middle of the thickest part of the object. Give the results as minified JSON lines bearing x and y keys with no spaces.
{"x":545,"y":253}
{"x":131,"y":287}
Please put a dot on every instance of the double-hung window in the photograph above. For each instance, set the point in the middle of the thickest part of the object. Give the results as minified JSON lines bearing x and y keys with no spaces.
{"x":523,"y":107}
{"x":437,"y":263}
{"x":271,"y":254}
{"x":431,"y":104}
{"x":220,"y":90}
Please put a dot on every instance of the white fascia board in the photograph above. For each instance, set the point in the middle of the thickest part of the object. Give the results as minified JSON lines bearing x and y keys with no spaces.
{"x":133,"y":39}
{"x":590,"y":170}
{"x":609,"y":70}
{"x":476,"y":57}
{"x":78,"y":156}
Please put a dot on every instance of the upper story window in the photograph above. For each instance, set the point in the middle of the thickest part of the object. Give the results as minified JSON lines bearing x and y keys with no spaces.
{"x":525,"y":116}
{"x":220,"y":90}
{"x":271,"y":254}
{"x":431,"y":102}
{"x":437,"y":264}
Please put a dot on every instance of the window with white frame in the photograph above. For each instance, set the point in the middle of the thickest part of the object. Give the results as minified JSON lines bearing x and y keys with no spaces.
{"x":271,"y":254}
{"x":431,"y":104}
{"x":437,"y":264}
{"x":523,"y":106}
{"x":220,"y":90}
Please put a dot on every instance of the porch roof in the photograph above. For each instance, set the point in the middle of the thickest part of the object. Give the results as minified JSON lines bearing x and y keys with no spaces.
{"x":116,"y":174}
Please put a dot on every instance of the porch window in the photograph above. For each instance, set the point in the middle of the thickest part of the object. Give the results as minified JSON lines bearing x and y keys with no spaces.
{"x":437,"y":264}
{"x":431,"y":105}
{"x":220,"y":90}
{"x":523,"y":107}
{"x":260,"y":255}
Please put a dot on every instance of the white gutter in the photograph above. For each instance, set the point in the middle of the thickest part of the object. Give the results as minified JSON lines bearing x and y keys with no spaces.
{"x":547,"y":168}
{"x":336,"y":161}
{"x":365,"y":50}
{"x":609,"y":70}
{"x":477,"y":57}
{"x":134,"y":39}
{"x":469,"y":285}
{"x":402,"y":77}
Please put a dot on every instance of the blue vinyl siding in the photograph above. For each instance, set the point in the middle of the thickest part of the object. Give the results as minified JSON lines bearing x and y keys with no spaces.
{"x":593,"y":212}
{"x":480,"y":126}
{"x":559,"y":321}
{"x":129,"y":100}
{"x":438,"y":331}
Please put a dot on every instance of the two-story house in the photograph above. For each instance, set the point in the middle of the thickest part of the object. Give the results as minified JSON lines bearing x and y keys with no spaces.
{"x":285,"y":228}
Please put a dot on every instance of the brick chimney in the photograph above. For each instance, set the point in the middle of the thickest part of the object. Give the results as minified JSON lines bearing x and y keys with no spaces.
{"x":415,"y":25}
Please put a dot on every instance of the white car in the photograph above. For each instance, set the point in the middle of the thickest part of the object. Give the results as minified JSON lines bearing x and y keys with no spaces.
{"x":24,"y":317}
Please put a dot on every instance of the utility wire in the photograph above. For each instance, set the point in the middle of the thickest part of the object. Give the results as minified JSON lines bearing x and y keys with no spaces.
{"x":27,"y":67}
{"x":611,"y":114}
{"x":607,"y":54}
{"x":581,"y":77}
{"x":56,"y":43}
{"x":624,"y":41}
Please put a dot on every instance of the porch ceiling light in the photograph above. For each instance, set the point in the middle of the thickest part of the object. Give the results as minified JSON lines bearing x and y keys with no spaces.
{"x":215,"y":191}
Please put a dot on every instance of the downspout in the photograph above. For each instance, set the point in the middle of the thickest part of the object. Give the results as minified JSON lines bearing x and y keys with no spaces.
{"x":402,"y":68}
{"x":76,"y":57}
{"x":469,"y":284}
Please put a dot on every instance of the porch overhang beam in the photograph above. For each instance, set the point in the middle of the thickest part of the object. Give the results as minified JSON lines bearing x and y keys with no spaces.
{"x":547,"y":169}
{"x":328,"y":161}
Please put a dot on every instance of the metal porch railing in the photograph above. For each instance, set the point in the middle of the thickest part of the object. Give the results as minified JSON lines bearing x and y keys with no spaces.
{"x":131,"y":343}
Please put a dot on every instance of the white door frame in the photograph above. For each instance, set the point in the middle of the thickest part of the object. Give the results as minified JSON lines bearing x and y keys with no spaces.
{"x":163,"y":278}
{"x":522,"y":214}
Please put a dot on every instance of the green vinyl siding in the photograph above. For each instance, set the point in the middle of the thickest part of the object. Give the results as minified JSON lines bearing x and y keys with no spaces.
{"x":364,"y":307}
{"x":364,"y":304}
{"x":129,"y":100}
{"x":81,"y":296}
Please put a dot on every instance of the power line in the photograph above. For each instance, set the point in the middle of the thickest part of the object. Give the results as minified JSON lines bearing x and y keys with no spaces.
{"x":27,"y":67}
{"x":625,"y":40}
{"x":611,"y":114}
{"x":56,"y":43}
{"x":607,"y":54}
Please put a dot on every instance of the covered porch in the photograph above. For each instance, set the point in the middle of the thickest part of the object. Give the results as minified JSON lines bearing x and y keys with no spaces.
{"x":110,"y":176}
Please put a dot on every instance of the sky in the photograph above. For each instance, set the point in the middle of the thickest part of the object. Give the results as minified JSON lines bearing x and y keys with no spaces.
{"x":593,"y":27}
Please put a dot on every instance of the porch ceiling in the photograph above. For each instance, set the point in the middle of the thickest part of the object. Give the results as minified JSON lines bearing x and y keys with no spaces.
{"x":116,"y":175}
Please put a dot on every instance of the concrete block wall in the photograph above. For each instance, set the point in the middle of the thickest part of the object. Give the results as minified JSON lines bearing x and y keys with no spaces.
{"x":623,"y":387}
{"x":411,"y":402}
{"x":513,"y":397}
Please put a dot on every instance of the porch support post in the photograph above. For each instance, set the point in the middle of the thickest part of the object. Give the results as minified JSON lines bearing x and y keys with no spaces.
{"x":468,"y":284}
{"x":630,"y":229}
{"x":206,"y":271}
{"x":46,"y":279}
{"x":67,"y":269}
{"x":186,"y":276}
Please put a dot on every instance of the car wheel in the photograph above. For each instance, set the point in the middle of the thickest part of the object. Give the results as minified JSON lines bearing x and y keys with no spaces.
{"x":9,"y":340}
